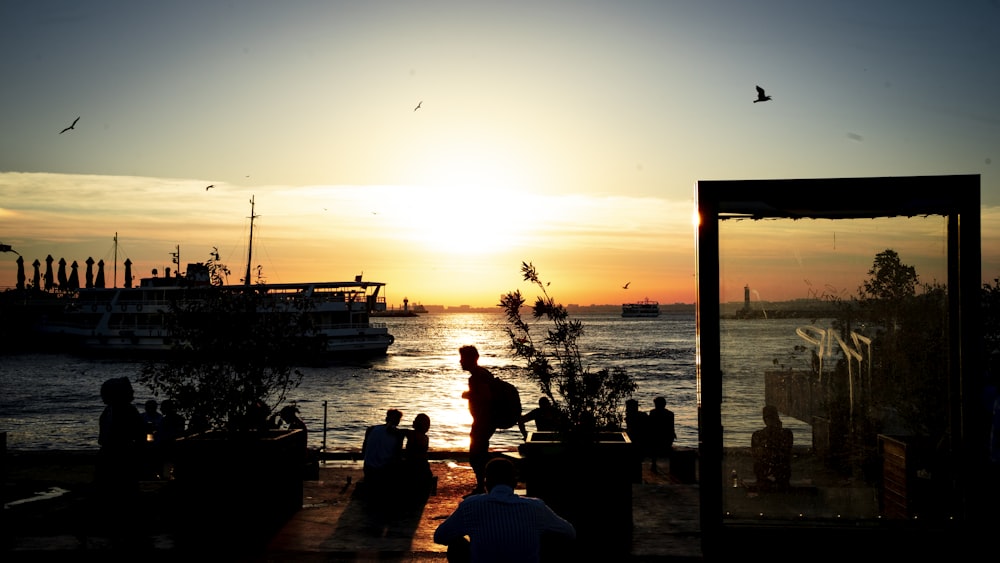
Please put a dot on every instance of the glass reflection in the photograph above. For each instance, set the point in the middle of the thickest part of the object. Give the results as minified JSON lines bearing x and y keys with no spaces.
{"x":834,"y":355}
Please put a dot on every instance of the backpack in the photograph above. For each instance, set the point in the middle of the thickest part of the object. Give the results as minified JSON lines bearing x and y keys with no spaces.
{"x":506,"y":405}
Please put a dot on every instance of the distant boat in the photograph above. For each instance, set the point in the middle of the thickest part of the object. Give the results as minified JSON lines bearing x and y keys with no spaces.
{"x":644,"y":308}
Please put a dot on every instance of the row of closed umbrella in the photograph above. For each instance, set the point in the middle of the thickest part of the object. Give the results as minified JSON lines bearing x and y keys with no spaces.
{"x":70,"y":281}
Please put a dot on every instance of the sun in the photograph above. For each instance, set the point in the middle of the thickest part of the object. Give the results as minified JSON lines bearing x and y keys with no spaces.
{"x":470,"y":200}
{"x":460,"y":221}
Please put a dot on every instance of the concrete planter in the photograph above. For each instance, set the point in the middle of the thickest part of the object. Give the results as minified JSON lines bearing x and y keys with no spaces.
{"x":588,"y":484}
{"x":252,"y":481}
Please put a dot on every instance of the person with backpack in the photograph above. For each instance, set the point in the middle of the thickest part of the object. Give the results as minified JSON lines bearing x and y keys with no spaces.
{"x":480,"y":397}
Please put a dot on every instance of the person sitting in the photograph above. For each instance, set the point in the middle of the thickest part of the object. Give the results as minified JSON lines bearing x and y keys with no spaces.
{"x":382,"y":452}
{"x":290,"y":416}
{"x":771,"y":447}
{"x":418,"y":481}
{"x":547,"y":418}
{"x":500,"y":525}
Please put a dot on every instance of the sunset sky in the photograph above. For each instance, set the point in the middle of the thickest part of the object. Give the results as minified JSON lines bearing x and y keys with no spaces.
{"x":569,"y":134}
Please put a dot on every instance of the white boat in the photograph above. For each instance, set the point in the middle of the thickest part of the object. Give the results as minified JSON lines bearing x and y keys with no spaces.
{"x":133,"y":320}
{"x":644,"y":308}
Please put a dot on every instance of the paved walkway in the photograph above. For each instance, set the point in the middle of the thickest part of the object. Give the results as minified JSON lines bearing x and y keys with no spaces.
{"x":338,"y":524}
{"x":335,"y":524}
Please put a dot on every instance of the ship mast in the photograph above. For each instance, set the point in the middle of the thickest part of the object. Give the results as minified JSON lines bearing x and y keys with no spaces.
{"x":246,"y":279}
{"x":115,"y":283}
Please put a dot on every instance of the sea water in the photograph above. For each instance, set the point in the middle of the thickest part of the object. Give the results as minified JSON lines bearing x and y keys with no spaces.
{"x":52,"y":401}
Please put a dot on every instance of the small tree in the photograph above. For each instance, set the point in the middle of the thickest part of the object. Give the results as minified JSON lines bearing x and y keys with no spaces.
{"x":589,"y":400}
{"x":233,"y":355}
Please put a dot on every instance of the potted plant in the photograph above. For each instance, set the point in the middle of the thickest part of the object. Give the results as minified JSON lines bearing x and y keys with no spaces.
{"x":583,"y":471}
{"x":230,"y":365}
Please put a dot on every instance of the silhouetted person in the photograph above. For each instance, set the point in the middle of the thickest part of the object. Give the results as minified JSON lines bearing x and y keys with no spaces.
{"x":290,"y":416}
{"x":417,"y":478}
{"x":771,"y":447}
{"x":173,"y":425}
{"x":382,"y":452}
{"x":480,"y":407}
{"x":122,"y":437}
{"x":637,"y":428}
{"x":547,"y":418}
{"x":500,"y":525}
{"x":661,"y":431}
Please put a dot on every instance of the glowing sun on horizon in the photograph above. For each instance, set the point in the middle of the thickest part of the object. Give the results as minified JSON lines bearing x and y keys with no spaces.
{"x":470,"y":203}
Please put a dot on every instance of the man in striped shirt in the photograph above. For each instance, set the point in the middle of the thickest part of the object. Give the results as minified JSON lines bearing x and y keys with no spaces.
{"x":500,"y":525}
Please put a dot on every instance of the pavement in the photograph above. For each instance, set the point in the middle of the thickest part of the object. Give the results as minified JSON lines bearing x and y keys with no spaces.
{"x":337,"y":522}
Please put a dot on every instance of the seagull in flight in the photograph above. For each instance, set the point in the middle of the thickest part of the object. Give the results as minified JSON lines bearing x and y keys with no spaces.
{"x":626,"y":285}
{"x":418,"y":105}
{"x":208,"y":187}
{"x":761,"y":96}
{"x":73,"y":126}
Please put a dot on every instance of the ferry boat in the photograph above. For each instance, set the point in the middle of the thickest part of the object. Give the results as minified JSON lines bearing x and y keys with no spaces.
{"x":644,"y":308}
{"x":133,"y":320}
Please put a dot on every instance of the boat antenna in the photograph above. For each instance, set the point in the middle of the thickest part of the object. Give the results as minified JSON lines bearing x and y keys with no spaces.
{"x":246,"y":279}
{"x":115,"y":283}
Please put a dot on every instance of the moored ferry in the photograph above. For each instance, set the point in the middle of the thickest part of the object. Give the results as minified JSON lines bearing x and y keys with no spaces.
{"x":133,"y":320}
{"x":644,"y":308}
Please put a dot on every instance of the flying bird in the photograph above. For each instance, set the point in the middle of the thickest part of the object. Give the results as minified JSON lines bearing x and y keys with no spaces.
{"x":418,"y":105}
{"x":73,"y":126}
{"x":626,"y":285}
{"x":761,"y":96}
{"x":208,"y":187}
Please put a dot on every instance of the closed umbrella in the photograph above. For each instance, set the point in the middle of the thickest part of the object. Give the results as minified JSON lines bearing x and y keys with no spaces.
{"x":74,"y":277}
{"x":128,"y":273}
{"x":89,"y":276}
{"x":99,"y":280}
{"x":49,"y":282}
{"x":36,"y":278}
{"x":20,"y":272}
{"x":63,"y":281}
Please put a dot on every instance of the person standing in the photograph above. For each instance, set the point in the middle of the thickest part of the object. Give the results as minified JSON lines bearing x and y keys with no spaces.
{"x":480,"y":399}
{"x":661,"y":432}
{"x":122,"y":438}
{"x":500,"y":525}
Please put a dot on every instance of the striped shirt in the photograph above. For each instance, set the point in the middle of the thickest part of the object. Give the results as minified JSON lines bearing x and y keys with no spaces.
{"x":502,"y":526}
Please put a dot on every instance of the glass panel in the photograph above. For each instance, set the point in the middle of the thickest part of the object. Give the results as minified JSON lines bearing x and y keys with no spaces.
{"x":842,"y":327}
